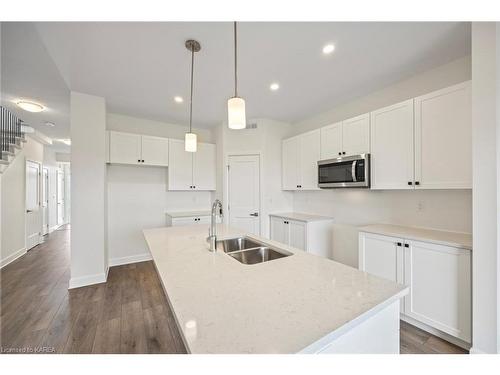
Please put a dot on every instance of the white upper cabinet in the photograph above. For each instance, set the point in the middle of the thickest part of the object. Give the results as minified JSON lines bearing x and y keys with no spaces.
{"x":124,"y":148}
{"x":290,"y":159}
{"x":443,"y":130}
{"x":191,"y":170}
{"x":331,"y":141}
{"x":128,"y":148}
{"x":154,"y":150}
{"x":392,"y":162}
{"x":356,"y":135}
{"x":300,"y":156}
{"x":309,"y":156}
{"x":204,"y":163}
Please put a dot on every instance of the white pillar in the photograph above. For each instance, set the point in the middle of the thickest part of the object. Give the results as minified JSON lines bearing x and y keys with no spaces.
{"x":486,"y":182}
{"x":89,"y":262}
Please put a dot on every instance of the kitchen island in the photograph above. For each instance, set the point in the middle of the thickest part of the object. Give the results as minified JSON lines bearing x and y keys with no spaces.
{"x":301,"y":303}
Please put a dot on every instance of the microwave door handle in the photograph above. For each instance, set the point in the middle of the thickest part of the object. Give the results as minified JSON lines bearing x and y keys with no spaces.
{"x":353,"y":170}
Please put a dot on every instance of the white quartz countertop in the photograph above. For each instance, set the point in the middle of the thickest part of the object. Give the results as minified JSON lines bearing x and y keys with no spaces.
{"x":300,"y":216}
{"x":454,"y":239}
{"x":188,"y":213}
{"x":285,"y":305}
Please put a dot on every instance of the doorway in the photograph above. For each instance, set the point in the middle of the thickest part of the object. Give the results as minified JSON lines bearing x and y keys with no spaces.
{"x":60,"y":197}
{"x":33,"y":205}
{"x":244,"y":192}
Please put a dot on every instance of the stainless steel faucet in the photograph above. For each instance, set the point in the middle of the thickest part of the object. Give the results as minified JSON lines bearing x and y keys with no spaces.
{"x":212,"y":232}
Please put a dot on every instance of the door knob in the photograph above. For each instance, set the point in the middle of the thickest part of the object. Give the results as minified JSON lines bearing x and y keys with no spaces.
{"x":255,"y":214}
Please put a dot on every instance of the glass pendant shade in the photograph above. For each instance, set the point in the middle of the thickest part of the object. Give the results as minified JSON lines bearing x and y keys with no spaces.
{"x":190,"y":143}
{"x":236,"y":118}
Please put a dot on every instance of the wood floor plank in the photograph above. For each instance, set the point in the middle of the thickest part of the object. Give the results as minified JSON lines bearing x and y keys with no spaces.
{"x":133,"y":334}
{"x":107,"y":338}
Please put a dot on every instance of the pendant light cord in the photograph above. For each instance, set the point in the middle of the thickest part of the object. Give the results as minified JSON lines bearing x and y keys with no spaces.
{"x":191,"y":99}
{"x":235,"y":61}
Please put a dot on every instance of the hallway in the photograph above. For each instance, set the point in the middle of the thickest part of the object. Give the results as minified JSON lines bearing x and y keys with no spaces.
{"x":128,"y":314}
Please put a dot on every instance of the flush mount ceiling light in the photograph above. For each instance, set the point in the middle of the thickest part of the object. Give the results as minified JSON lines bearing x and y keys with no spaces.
{"x":190,"y":142}
{"x":329,"y":48}
{"x":30,"y":106}
{"x":236,"y":117}
{"x":51,"y":124}
{"x":178,"y":99}
{"x":274,"y":86}
{"x":65,"y":141}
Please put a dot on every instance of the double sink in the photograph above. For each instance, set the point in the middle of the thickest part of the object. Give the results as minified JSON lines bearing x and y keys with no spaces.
{"x":250,"y":251}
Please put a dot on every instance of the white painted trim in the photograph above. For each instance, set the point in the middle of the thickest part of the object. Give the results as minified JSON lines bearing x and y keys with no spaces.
{"x":129,"y":259}
{"x":55,"y":227}
{"x":475,"y":350}
{"x":77,"y":282}
{"x":12,"y":257}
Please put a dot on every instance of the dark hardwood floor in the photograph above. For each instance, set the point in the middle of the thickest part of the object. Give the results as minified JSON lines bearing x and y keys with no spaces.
{"x":127,"y":314}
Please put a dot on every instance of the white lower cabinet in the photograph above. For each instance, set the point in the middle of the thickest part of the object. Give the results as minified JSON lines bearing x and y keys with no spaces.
{"x":187,"y":220}
{"x":439,"y":278}
{"x":311,"y":236}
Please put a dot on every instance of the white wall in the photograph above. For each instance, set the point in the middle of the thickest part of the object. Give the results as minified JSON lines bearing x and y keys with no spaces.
{"x":137,"y":195}
{"x":88,"y":239}
{"x":265,"y":140}
{"x":49,"y":161}
{"x":449,"y":210}
{"x":13,"y":198}
{"x":486,"y":182}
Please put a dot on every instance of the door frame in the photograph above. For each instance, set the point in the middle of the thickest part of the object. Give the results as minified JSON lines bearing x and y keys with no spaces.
{"x":46,"y":181}
{"x":40,"y":176}
{"x":60,"y":171}
{"x":225,"y":192}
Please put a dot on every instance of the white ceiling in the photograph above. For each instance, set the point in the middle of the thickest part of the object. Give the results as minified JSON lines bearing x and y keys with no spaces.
{"x":140,"y":67}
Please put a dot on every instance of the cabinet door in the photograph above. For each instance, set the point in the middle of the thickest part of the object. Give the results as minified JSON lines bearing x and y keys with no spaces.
{"x":204,"y":165}
{"x":154,"y":150}
{"x":440,"y":287}
{"x":331,"y":141}
{"x":443,"y":146}
{"x":297,"y":234}
{"x":309,"y":156}
{"x":290,"y":163}
{"x":381,"y":256}
{"x":356,"y":135}
{"x":124,"y":148}
{"x":392,"y":147}
{"x":180,"y":166}
{"x":179,"y":221}
{"x":279,"y":230}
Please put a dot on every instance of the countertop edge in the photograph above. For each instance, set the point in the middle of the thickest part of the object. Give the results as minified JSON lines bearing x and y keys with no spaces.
{"x":324,"y":341}
{"x":459,"y":245}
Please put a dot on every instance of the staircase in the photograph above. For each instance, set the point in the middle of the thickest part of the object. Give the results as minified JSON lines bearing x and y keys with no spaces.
{"x":12,"y":137}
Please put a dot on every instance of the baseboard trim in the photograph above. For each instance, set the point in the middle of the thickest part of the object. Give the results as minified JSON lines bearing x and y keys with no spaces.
{"x":78,"y":282}
{"x":445,"y":336}
{"x":12,"y":257}
{"x":130,"y":259}
{"x":55,"y":227}
{"x":474,"y":350}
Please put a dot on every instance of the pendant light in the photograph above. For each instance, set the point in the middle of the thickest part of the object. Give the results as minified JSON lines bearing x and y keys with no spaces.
{"x":190,"y":142}
{"x":236,"y":118}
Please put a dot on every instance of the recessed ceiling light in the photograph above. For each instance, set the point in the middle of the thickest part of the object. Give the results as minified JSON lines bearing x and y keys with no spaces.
{"x":51,"y":124}
{"x":30,"y":106}
{"x":329,"y":48}
{"x":274,"y":86}
{"x":178,"y":99}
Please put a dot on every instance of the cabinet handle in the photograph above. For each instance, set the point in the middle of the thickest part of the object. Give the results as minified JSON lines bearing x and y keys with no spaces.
{"x":398,"y":243}
{"x":410,"y":183}
{"x":343,"y":152}
{"x":417,"y":182}
{"x":340,"y":153}
{"x":138,"y":160}
{"x":406,"y":245}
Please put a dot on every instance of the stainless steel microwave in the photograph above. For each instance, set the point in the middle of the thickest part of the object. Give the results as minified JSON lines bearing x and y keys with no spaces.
{"x":344,"y":172}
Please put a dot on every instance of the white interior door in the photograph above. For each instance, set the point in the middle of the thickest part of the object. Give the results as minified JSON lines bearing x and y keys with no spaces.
{"x":45,"y":201}
{"x":244,"y":192}
{"x":60,"y":197}
{"x":33,"y":206}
